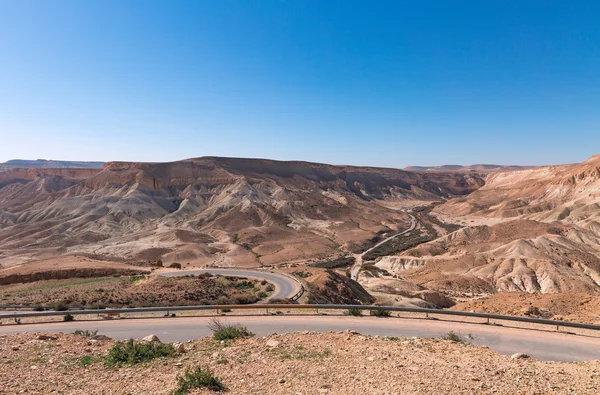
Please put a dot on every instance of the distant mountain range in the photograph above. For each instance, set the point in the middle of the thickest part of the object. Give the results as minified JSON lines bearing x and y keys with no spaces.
{"x":49,"y":164}
{"x":480,"y":168}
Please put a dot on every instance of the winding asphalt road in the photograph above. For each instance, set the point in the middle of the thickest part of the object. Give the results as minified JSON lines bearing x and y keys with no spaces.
{"x":285,"y":287}
{"x":548,"y":346}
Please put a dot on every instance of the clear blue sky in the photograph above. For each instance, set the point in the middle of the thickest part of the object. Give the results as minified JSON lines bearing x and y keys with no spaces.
{"x":389,"y":83}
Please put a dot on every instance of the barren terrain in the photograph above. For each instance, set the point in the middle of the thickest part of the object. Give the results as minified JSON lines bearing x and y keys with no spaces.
{"x":135,"y":291}
{"x":334,"y":363}
{"x":429,"y":237}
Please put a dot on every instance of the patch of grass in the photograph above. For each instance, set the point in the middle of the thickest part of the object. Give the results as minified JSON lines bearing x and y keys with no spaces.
{"x":85,"y":332}
{"x":354,"y":312}
{"x":380,"y":313}
{"x":225,"y":310}
{"x":68,"y":318}
{"x":133,"y":353}
{"x":87,"y":360}
{"x":135,"y":279}
{"x":228,"y":332}
{"x":197,"y":379}
{"x":457,"y":338}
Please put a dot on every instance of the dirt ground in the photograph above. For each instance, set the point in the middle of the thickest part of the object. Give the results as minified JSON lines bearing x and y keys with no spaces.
{"x":136,"y":291}
{"x":577,"y":307}
{"x":307,"y":363}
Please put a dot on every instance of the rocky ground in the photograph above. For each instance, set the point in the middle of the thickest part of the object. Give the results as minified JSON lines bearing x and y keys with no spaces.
{"x":296,"y":363}
{"x":576,"y":307}
{"x":136,"y":291}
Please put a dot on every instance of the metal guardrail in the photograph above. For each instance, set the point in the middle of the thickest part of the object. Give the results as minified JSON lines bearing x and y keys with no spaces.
{"x":427,"y":312}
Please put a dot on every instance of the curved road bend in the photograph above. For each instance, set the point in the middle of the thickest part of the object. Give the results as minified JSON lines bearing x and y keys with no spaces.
{"x":285,"y":287}
{"x":548,"y":346}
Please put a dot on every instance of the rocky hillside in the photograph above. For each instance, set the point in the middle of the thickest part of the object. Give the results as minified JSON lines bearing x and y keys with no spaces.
{"x":221,"y":211}
{"x":568,"y":192}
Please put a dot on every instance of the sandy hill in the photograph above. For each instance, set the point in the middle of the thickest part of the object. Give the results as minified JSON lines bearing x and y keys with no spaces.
{"x":222,"y":211}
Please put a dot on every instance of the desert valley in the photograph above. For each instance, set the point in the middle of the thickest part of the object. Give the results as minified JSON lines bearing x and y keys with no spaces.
{"x":509,"y":240}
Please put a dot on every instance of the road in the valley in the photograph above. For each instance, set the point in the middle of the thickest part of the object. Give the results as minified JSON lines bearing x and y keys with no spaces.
{"x":549,"y":346}
{"x":359,"y":257}
{"x":285,"y":287}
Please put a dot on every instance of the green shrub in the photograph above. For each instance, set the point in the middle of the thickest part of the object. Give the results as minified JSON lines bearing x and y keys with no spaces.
{"x":457,"y":338}
{"x":85,"y":332}
{"x":354,"y":312}
{"x":38,"y":308}
{"x":196,"y":379}
{"x":133,"y":353}
{"x":68,"y":318}
{"x":225,"y":310}
{"x":262,"y":294}
{"x":270,"y":288}
{"x":228,"y":332}
{"x":380,"y":313}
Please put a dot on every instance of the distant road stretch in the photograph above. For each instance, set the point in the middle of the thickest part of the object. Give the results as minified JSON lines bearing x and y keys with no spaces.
{"x":285,"y":287}
{"x":548,"y":346}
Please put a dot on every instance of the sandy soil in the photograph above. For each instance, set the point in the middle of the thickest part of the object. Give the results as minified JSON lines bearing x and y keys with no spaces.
{"x":334,"y":363}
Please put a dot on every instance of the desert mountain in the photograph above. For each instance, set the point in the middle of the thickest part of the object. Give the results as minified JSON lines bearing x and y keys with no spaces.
{"x":49,"y":164}
{"x":539,"y":232}
{"x":480,"y":168}
{"x":222,"y":211}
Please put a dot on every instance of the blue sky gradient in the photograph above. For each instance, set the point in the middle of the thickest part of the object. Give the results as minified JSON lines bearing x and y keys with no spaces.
{"x":385,"y":83}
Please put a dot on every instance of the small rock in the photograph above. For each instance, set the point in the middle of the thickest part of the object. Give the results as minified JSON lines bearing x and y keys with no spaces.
{"x":34,"y":367}
{"x":273,"y":343}
{"x":151,"y":338}
{"x":519,"y":355}
{"x":352,"y":332}
{"x":179,"y":348}
{"x":15,"y":348}
{"x":46,"y":337}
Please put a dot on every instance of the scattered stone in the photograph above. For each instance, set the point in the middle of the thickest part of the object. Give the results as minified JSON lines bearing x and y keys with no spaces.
{"x":151,"y":338}
{"x":179,"y":348}
{"x":281,"y":381}
{"x":519,"y":355}
{"x":46,"y":337}
{"x":273,"y":343}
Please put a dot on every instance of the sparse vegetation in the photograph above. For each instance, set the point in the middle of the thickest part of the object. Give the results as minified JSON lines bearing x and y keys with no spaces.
{"x":354,"y":312}
{"x":197,"y":379}
{"x":335,"y":263}
{"x":68,"y":318}
{"x":228,"y":332}
{"x":457,"y":338}
{"x":85,"y":332}
{"x":133,"y":353}
{"x":87,"y":360}
{"x":380,"y":313}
